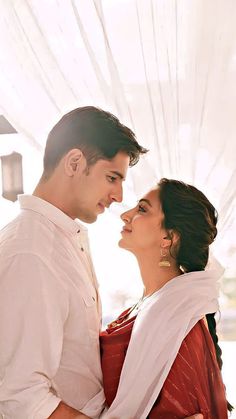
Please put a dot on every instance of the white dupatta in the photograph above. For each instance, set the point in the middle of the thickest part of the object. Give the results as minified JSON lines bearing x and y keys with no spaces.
{"x":159,"y":329}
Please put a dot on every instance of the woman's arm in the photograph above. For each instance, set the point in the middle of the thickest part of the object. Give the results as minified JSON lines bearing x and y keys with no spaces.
{"x":198,"y":416}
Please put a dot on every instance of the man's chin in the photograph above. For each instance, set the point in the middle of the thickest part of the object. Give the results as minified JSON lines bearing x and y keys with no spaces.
{"x":88,"y":218}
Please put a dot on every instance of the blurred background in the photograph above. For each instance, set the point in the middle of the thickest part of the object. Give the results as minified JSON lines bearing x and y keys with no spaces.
{"x":167,"y":69}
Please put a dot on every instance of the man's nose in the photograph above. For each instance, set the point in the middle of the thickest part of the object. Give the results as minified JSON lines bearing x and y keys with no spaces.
{"x":117,"y":194}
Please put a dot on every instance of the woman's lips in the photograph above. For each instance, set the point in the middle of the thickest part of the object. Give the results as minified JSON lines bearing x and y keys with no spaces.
{"x":125,"y":230}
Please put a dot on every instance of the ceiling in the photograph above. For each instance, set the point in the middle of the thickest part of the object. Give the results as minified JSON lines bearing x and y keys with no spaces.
{"x":167,"y":68}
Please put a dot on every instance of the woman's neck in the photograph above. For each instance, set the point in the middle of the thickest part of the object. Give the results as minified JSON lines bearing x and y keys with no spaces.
{"x":155,"y":277}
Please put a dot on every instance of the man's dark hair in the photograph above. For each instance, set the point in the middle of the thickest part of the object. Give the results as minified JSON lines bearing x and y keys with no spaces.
{"x":98,"y":134}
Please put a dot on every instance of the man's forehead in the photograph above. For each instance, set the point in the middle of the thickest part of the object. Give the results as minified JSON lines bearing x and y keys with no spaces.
{"x":119,"y":163}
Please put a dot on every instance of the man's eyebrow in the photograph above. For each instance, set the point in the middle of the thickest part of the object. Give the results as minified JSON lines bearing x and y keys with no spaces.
{"x":145,"y":200}
{"x":117,"y":174}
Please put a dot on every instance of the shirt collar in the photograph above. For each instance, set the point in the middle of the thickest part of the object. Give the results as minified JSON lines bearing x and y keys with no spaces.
{"x":52,"y":213}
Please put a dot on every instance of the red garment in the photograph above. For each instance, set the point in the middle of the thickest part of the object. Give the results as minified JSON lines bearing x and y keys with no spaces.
{"x":194,"y":384}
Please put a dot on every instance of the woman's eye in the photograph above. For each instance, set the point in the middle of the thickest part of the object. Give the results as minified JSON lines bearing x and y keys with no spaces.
{"x":141,"y":208}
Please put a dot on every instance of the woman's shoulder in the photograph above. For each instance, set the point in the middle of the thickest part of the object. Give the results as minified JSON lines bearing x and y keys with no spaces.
{"x":198,"y":348}
{"x":199,"y":334}
{"x":197,"y":340}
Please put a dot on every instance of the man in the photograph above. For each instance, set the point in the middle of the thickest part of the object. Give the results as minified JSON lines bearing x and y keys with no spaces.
{"x":49,"y":303}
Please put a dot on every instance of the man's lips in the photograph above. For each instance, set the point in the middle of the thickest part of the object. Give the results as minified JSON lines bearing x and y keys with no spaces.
{"x":104,"y":204}
{"x":101,"y":206}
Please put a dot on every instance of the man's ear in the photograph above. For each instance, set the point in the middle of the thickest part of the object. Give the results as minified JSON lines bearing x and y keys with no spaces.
{"x":74,"y":162}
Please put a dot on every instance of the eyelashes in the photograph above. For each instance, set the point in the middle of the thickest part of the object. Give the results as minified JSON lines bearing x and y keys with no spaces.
{"x":111,"y":179}
{"x":141,"y":208}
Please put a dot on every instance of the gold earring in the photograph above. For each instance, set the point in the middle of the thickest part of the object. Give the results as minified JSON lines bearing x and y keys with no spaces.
{"x":164,"y":262}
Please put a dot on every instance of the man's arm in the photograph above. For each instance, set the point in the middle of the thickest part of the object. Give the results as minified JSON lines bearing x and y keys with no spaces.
{"x":33,"y":309}
{"x":66,"y":412}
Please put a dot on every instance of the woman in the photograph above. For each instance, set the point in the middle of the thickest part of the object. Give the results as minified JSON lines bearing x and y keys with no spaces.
{"x":161,"y":358}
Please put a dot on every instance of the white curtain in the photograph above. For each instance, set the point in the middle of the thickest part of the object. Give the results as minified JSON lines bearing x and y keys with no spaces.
{"x":167,"y":68}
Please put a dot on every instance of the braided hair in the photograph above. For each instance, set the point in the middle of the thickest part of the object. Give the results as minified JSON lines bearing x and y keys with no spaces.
{"x":212,"y":329}
{"x":188,"y":212}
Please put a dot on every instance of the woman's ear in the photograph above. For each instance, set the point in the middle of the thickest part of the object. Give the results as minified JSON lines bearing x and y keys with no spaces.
{"x":170,"y":238}
{"x":175,"y":237}
{"x":74,"y":162}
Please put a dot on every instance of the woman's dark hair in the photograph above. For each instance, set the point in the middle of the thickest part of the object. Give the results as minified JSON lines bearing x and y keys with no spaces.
{"x":212,"y":329}
{"x":99,"y":134}
{"x":188,"y":212}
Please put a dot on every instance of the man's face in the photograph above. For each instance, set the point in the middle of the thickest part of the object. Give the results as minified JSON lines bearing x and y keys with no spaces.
{"x":97,"y":187}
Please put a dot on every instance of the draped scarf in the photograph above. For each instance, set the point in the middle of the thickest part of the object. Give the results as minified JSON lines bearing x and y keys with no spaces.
{"x":161,"y":325}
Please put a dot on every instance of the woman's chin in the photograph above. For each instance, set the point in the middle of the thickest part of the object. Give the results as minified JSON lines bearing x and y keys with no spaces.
{"x":123,"y":245}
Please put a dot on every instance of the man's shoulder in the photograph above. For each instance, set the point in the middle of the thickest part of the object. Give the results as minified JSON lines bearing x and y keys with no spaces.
{"x":25,"y":233}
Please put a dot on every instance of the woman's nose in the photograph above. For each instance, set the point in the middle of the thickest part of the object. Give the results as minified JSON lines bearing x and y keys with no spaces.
{"x":126,"y":216}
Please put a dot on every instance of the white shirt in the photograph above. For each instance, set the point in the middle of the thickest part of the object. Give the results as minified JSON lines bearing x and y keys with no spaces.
{"x":49,"y":315}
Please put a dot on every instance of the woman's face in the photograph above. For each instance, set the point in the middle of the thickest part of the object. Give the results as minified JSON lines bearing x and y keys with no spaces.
{"x":143,"y":225}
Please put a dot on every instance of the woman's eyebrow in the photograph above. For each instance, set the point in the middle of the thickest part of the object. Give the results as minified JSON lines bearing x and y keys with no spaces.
{"x":145,"y":200}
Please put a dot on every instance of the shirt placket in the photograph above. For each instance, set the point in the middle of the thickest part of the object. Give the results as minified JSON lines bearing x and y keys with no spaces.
{"x":83,"y":247}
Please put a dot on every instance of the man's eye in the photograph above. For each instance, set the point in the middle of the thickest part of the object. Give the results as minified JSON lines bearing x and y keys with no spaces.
{"x":141,"y":209}
{"x":111,"y":178}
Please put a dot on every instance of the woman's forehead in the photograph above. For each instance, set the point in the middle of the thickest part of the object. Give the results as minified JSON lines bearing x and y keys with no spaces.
{"x":153,"y":197}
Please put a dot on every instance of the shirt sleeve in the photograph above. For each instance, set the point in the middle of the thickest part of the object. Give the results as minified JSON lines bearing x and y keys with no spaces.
{"x":33,"y":310}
